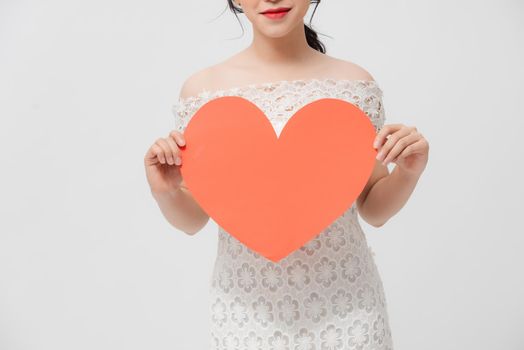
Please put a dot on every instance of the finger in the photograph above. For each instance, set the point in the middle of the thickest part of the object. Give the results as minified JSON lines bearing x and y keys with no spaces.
{"x":382,"y":135}
{"x":411,"y":149}
{"x":159,"y":153}
{"x":391,"y":141}
{"x":179,"y":137}
{"x":400,"y":146}
{"x":166,"y":151}
{"x":150,"y":158}
{"x":380,"y":138}
{"x":174,"y":150}
{"x":170,"y":157}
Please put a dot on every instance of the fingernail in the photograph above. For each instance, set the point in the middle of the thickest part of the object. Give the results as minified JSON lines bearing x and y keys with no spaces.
{"x":379,"y":155}
{"x":375,"y":144}
{"x":178,"y":161}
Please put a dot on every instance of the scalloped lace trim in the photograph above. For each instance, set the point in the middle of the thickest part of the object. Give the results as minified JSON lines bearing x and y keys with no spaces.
{"x":281,"y":99}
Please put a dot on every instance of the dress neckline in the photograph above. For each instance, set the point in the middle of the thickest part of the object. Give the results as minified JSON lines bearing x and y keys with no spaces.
{"x":275,"y":83}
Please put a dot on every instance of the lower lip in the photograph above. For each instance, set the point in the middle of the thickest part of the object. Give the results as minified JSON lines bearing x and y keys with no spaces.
{"x":276,"y":15}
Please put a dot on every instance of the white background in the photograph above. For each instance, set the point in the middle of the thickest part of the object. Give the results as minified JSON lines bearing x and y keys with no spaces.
{"x":88,"y":262}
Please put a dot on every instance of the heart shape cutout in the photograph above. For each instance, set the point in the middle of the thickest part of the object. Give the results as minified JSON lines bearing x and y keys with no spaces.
{"x":276,"y":193}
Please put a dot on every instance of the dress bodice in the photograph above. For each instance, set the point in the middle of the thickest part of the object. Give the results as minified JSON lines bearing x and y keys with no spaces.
{"x":279,"y":100}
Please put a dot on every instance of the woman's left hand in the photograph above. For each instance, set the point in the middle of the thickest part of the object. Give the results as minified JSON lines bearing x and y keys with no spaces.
{"x":405,"y":146}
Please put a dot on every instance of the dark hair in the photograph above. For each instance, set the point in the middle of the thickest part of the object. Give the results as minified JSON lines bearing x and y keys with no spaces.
{"x":311,"y":34}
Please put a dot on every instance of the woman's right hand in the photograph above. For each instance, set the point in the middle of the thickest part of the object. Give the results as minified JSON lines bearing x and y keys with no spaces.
{"x":162,"y":162}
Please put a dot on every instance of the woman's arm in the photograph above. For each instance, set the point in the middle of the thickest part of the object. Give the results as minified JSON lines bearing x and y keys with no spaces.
{"x":386,"y":193}
{"x":178,"y":205}
{"x":181,"y":210}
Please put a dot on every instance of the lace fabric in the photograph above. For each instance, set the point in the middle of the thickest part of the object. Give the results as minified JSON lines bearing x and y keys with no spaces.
{"x":280,"y":99}
{"x":328,"y":294}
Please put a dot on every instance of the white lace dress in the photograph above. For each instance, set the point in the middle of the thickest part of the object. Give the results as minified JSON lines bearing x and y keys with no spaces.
{"x":328,"y":294}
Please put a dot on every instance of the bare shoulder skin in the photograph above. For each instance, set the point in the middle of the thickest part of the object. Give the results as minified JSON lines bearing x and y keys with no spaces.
{"x":241,"y":69}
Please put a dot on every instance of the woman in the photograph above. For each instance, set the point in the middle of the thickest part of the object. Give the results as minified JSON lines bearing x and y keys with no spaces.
{"x":328,"y":294}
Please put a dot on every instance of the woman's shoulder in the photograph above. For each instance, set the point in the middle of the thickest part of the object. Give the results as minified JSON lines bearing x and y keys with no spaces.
{"x":218,"y":76}
{"x":345,"y":69}
{"x":195,"y":83}
{"x":210,"y":78}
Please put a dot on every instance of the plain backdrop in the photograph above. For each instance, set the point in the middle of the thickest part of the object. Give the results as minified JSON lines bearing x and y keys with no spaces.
{"x":88,"y":262}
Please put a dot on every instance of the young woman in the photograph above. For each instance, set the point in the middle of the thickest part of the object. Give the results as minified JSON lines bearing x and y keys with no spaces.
{"x":328,"y":294}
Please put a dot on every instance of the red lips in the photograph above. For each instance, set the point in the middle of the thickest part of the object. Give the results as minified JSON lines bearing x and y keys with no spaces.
{"x":276,"y":10}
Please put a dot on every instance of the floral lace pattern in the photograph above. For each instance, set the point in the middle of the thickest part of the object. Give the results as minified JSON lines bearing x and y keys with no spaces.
{"x":281,"y":99}
{"x":326,"y":295}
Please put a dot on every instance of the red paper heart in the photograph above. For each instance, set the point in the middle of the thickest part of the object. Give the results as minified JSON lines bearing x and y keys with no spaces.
{"x":274,"y":194}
